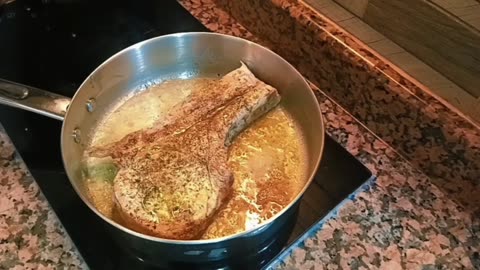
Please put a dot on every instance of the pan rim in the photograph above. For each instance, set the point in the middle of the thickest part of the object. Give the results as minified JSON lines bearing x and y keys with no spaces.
{"x":245,"y":233}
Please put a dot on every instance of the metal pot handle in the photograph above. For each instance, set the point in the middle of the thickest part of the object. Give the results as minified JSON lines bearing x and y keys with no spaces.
{"x":33,"y":99}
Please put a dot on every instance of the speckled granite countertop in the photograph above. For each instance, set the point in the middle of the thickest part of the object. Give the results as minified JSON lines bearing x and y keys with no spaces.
{"x":403,"y":221}
{"x":31,"y":236}
{"x":418,"y":214}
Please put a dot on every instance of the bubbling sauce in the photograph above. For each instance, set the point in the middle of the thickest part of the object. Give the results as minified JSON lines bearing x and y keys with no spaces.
{"x":267,"y":159}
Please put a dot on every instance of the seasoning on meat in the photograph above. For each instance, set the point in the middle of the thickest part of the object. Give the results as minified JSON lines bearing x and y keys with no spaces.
{"x":173,"y":177}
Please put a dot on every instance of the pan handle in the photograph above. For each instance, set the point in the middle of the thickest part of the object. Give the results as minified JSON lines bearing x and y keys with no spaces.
{"x":33,"y":99}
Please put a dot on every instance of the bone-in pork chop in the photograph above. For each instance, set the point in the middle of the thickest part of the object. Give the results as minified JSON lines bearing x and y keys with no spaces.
{"x":174,"y":177}
{"x":200,"y":102}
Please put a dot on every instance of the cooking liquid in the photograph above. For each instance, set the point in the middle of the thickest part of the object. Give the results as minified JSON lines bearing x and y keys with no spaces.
{"x":267,"y":158}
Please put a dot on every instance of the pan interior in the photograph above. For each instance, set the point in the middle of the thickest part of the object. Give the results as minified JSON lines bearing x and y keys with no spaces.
{"x":267,"y":159}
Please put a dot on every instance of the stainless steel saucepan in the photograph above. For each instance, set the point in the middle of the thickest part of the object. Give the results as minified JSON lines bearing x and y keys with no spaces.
{"x":182,"y":55}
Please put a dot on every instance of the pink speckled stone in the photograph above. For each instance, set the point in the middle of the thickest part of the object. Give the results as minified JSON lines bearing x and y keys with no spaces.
{"x":31,"y":236}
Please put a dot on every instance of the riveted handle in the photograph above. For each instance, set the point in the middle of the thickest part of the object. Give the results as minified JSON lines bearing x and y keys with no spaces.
{"x":33,"y":99}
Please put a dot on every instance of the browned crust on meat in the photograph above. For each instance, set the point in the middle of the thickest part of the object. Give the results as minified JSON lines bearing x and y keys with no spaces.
{"x":201,"y":102}
{"x":174,"y":178}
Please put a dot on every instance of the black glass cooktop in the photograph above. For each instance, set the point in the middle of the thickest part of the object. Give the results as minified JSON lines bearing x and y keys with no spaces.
{"x":54,"y":45}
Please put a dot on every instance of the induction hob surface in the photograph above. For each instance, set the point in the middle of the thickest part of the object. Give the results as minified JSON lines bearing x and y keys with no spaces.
{"x":54,"y":45}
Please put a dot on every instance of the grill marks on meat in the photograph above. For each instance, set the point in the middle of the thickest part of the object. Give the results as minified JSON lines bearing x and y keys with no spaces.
{"x":173,"y":178}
